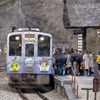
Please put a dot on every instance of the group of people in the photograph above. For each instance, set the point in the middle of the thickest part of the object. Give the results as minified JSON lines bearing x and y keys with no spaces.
{"x":70,"y":59}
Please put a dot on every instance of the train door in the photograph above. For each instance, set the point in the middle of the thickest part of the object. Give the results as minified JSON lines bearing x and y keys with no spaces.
{"x":29,"y":57}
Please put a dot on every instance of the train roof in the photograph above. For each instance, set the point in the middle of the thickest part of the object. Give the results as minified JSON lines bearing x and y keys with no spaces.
{"x":26,"y":30}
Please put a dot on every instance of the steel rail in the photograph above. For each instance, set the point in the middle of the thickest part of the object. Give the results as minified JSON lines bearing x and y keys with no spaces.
{"x":42,"y":96}
{"x":22,"y":95}
{"x":25,"y":98}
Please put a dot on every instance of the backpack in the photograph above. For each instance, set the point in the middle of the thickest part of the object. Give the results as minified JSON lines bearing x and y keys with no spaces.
{"x":77,"y":59}
{"x":74,"y":57}
{"x":63,"y":59}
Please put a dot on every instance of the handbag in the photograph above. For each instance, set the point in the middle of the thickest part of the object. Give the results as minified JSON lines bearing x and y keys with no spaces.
{"x":82,"y":65}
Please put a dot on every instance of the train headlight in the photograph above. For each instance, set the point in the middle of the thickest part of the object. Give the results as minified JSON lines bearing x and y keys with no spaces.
{"x":42,"y":38}
{"x":17,"y":38}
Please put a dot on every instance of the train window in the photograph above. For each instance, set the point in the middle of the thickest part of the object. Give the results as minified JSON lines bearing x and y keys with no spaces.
{"x":43,"y":45}
{"x":29,"y":50}
{"x":15,"y":45}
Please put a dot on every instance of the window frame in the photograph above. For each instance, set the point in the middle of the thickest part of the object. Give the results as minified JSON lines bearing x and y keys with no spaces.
{"x":25,"y":49}
{"x":46,"y":44}
{"x":14,"y":41}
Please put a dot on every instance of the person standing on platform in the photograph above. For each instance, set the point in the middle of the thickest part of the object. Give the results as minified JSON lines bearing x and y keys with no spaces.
{"x":98,"y":60}
{"x":80,"y":61}
{"x":56,"y":60}
{"x":68,"y":64}
{"x":91,"y":63}
{"x":86,"y":60}
{"x":59,"y":61}
{"x":72,"y":54}
{"x":76,"y":62}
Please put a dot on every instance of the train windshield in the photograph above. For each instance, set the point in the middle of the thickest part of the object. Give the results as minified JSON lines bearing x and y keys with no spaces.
{"x":43,"y":45}
{"x":29,"y":50}
{"x":15,"y":45}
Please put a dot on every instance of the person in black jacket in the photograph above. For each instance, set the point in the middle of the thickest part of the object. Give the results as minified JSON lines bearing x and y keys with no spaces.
{"x":59,"y":61}
{"x":81,"y":71}
{"x":55,"y":56}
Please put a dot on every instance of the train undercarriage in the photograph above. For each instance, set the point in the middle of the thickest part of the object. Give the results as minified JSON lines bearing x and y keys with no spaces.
{"x":29,"y":80}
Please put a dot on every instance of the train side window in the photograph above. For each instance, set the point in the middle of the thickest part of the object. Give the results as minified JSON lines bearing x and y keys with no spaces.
{"x":43,"y":45}
{"x":15,"y":45}
{"x":29,"y":50}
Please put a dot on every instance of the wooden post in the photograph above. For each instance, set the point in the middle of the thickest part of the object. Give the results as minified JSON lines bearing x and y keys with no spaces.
{"x":84,"y":38}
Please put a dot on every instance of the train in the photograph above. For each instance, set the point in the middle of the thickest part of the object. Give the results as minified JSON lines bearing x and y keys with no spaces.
{"x":29,"y":57}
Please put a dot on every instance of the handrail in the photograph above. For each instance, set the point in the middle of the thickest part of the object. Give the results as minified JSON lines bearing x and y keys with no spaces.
{"x":73,"y":74}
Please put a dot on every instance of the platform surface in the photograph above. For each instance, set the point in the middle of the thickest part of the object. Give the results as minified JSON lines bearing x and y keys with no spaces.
{"x":83,"y":82}
{"x":66,"y":83}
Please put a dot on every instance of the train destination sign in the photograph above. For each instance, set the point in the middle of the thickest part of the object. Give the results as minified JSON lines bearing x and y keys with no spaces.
{"x":30,"y":36}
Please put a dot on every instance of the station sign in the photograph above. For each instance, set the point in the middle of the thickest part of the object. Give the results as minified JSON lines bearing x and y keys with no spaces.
{"x":77,"y":31}
{"x":80,"y":35}
{"x":80,"y":42}
{"x":79,"y":47}
{"x":95,"y":85}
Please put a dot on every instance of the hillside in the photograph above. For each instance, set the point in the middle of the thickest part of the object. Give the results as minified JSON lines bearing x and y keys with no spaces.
{"x":48,"y":16}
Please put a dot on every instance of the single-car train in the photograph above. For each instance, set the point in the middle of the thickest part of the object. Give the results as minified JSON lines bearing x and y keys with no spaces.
{"x":29,"y":57}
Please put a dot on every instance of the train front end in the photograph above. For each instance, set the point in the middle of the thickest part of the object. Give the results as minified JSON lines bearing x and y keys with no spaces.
{"x":29,"y":58}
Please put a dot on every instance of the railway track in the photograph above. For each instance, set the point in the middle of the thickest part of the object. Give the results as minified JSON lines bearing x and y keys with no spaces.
{"x":22,"y":95}
{"x":25,"y":98}
{"x":42,"y":96}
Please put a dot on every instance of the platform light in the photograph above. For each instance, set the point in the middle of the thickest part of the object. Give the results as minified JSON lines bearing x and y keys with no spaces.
{"x":17,"y":37}
{"x":42,"y":38}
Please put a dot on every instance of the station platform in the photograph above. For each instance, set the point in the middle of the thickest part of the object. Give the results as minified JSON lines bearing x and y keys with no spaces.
{"x":64,"y":85}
